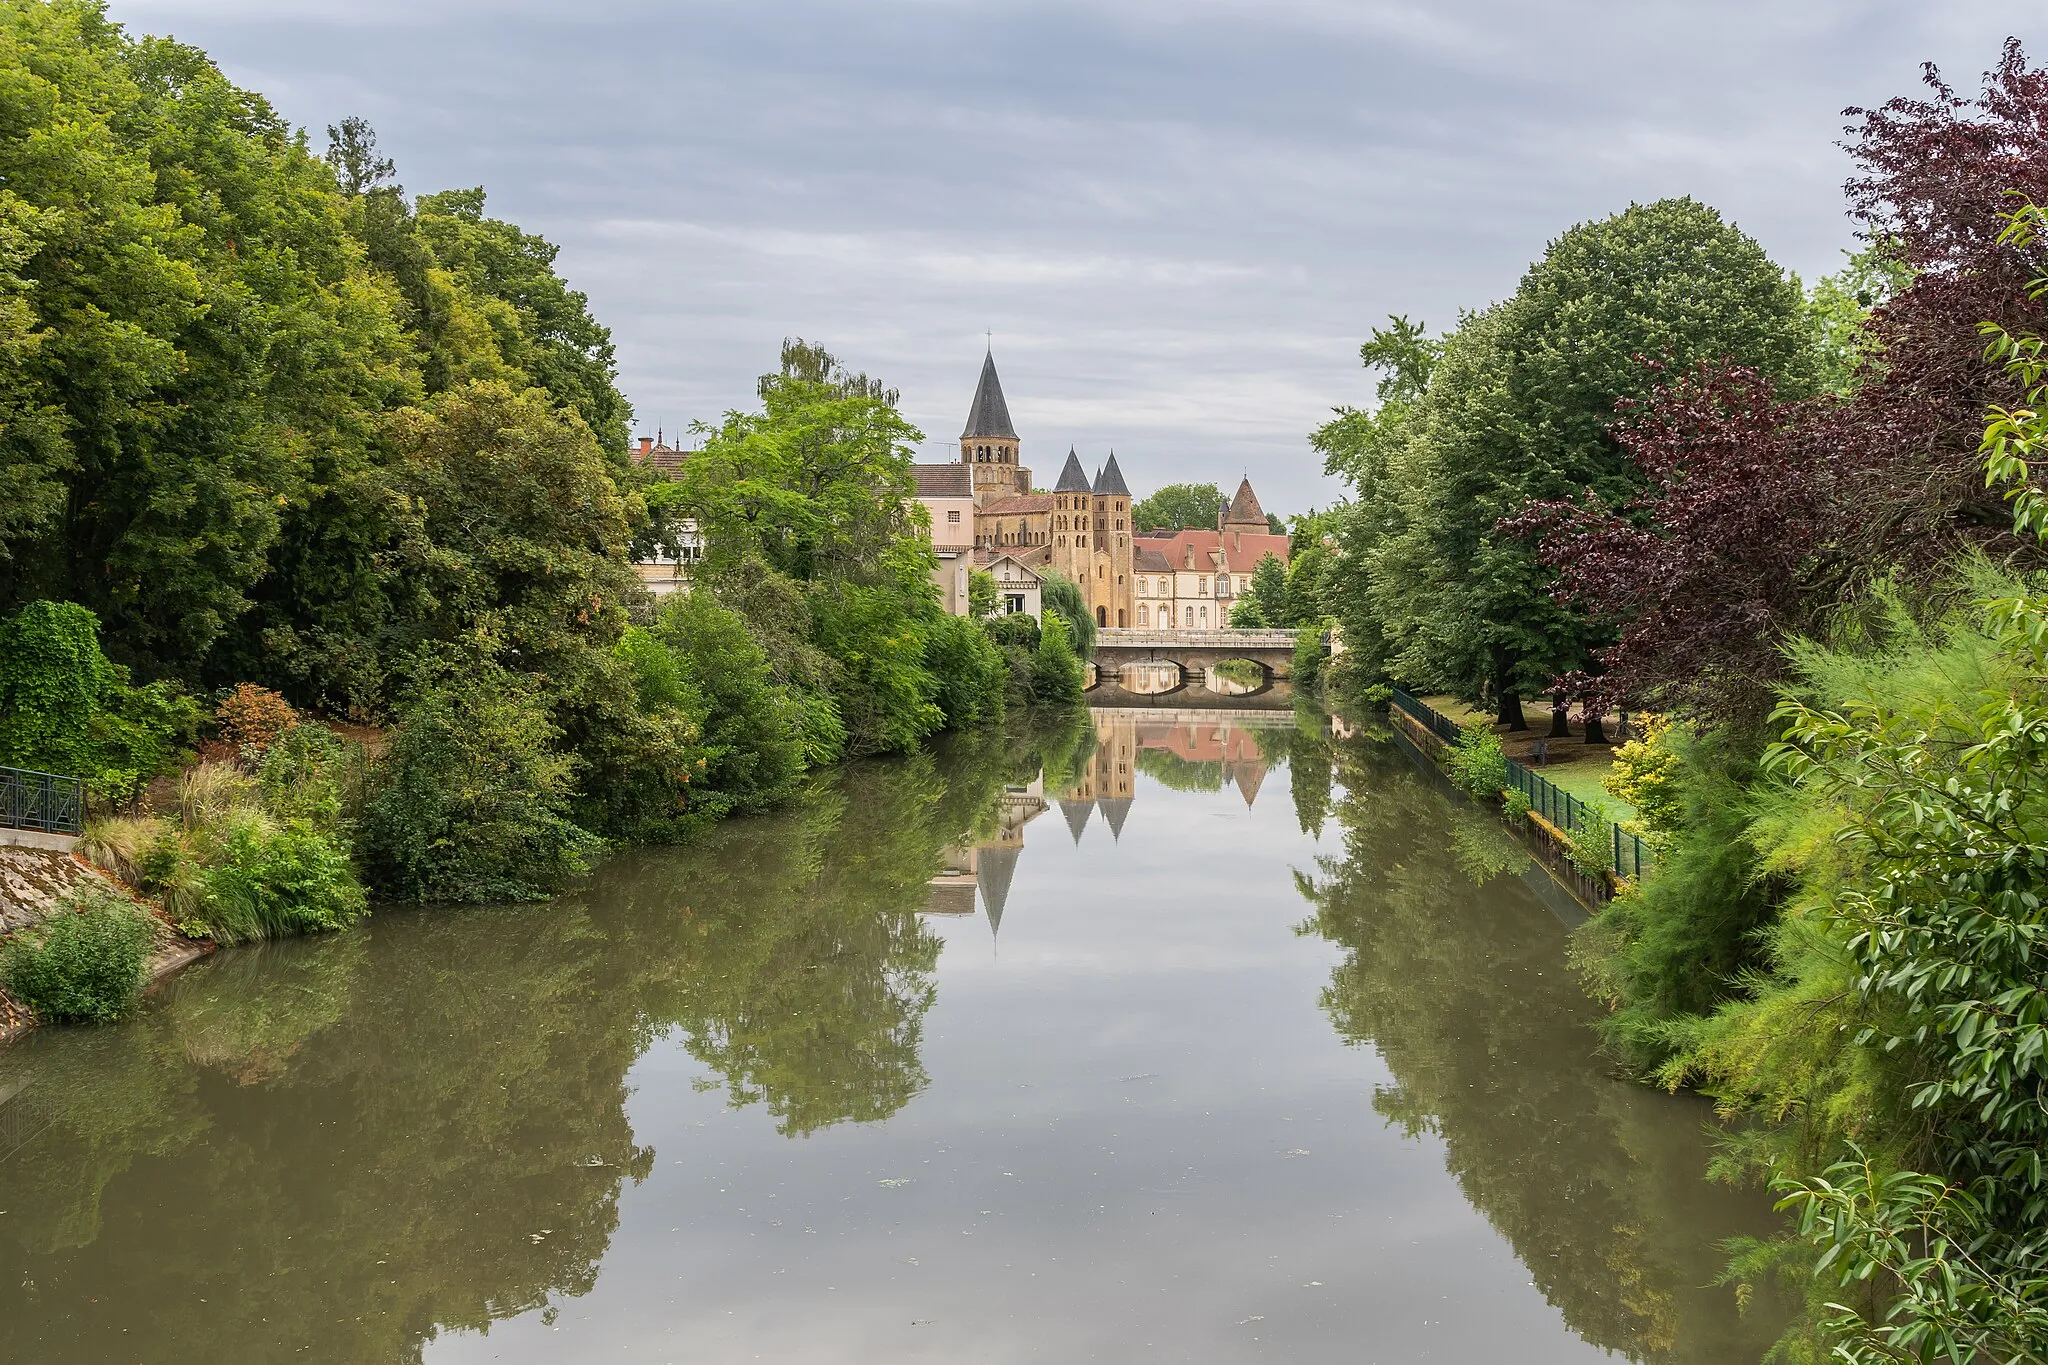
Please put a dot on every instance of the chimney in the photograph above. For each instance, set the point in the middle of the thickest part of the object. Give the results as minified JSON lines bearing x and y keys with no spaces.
{"x":646,"y":444}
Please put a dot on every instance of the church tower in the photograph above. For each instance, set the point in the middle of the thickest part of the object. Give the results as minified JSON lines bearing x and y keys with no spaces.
{"x":989,"y":443}
{"x":1110,"y":592}
{"x":1073,"y":524}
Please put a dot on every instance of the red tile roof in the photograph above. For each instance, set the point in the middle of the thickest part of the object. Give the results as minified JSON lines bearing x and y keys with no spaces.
{"x":944,"y":480}
{"x":1234,"y":551}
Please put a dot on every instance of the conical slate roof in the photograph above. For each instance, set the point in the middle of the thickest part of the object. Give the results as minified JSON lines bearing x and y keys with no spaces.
{"x":1245,"y":509}
{"x":1115,"y":809}
{"x":997,"y":865}
{"x":1110,"y":483}
{"x":990,"y":415}
{"x":1073,"y":478}
{"x":1077,"y":813}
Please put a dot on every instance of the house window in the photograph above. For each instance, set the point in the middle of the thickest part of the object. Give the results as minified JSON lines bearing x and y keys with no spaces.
{"x":1014,"y":603}
{"x":1141,"y":613}
{"x":1205,"y":616}
{"x":1191,"y":616}
{"x":952,"y":518}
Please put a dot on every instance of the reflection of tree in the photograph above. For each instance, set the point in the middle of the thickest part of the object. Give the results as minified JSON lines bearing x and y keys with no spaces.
{"x":1179,"y":774}
{"x":1598,"y":1185}
{"x":351,"y":1144}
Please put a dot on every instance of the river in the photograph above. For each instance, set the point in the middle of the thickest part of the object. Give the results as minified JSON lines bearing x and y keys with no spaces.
{"x":1176,"y":1036}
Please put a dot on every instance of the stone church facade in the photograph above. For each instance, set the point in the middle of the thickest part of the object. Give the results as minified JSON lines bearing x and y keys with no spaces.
{"x":1081,"y":529}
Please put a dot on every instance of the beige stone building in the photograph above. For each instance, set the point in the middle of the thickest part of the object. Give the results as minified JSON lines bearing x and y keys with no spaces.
{"x":1189,"y":580}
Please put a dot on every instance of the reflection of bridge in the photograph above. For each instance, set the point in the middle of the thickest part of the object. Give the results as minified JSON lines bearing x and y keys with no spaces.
{"x":1158,"y":662}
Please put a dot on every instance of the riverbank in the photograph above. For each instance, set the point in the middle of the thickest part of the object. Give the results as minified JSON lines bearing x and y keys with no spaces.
{"x":33,"y":880}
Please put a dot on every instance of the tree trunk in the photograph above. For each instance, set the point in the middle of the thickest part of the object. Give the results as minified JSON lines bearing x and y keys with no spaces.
{"x":1560,"y":717}
{"x":1510,"y":713}
{"x":1596,"y":733}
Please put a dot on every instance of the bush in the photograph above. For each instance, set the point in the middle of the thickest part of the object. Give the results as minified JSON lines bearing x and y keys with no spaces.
{"x":753,"y":753}
{"x":471,"y":803}
{"x":313,"y":776}
{"x":973,"y":677}
{"x":260,"y":882}
{"x":86,"y":964}
{"x":252,"y":718}
{"x":1478,"y":764}
{"x":1056,"y":675}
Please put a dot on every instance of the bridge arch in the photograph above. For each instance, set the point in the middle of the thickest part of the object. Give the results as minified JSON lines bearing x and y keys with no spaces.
{"x":1237,"y":677}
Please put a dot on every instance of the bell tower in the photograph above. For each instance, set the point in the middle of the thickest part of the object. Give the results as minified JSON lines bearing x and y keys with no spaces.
{"x":989,"y":444}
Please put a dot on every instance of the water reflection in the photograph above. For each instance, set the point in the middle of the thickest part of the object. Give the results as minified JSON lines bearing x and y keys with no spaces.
{"x":349,"y":1148}
{"x":1484,"y":1029}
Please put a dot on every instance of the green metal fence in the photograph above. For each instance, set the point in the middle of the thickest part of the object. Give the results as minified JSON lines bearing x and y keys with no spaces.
{"x":1628,"y":855}
{"x":47,"y":802}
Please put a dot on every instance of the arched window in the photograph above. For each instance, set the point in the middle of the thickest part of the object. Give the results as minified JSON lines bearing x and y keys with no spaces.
{"x":1205,"y":616}
{"x":1141,"y":613}
{"x":1102,"y":616}
{"x":1191,"y":618}
{"x":1120,"y":618}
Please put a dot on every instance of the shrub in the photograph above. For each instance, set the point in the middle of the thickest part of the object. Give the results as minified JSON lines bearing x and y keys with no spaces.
{"x":120,"y":843}
{"x":85,"y":965}
{"x":212,"y":791}
{"x":752,"y":752}
{"x":471,"y":803}
{"x":972,"y":675}
{"x":312,"y":776}
{"x":261,"y":881}
{"x":1645,"y":774}
{"x":1056,"y":677}
{"x":1478,"y":764}
{"x":1516,"y":806}
{"x":252,"y":718}
{"x":1589,"y":843}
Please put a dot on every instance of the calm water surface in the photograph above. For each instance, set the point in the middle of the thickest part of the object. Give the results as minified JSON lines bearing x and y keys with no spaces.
{"x":1175,"y":1038}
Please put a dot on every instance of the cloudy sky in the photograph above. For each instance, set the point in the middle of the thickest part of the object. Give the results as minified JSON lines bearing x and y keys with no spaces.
{"x":1177,"y":217}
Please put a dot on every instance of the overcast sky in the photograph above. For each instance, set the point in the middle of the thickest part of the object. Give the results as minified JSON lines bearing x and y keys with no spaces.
{"x":1178,"y":217}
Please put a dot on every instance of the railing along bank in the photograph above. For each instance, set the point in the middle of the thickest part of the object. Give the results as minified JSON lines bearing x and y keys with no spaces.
{"x":1626,"y":853}
{"x":45,"y":802}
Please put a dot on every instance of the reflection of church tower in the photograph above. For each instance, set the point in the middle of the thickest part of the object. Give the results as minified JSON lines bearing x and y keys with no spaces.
{"x":1114,"y":770}
{"x":1076,"y":807}
{"x":989,"y":443}
{"x":998,"y":866}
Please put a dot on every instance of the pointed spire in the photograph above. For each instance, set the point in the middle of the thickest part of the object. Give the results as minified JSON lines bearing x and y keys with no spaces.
{"x":997,"y":865}
{"x":1244,"y":508}
{"x":1073,"y":478}
{"x":1115,"y":809}
{"x":1077,"y":813}
{"x":990,"y":415}
{"x":1110,"y":482}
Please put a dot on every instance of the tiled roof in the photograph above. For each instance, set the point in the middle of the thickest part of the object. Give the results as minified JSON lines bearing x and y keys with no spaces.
{"x":944,"y":480}
{"x":665,"y":458}
{"x":1018,"y":505}
{"x":1236,"y":551}
{"x":1244,"y":508}
{"x":1149,"y":560}
{"x":1110,"y":482}
{"x":990,"y":415}
{"x":1073,"y":478}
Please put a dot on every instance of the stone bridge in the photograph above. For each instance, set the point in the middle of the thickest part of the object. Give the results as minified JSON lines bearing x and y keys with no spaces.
{"x":1156,"y":662}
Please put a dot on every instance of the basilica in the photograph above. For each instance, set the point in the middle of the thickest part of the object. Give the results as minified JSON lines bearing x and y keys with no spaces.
{"x":986,"y":514}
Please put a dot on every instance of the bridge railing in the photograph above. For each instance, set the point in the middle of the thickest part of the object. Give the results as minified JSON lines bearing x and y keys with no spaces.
{"x":1129,"y":637}
{"x":49,"y":803}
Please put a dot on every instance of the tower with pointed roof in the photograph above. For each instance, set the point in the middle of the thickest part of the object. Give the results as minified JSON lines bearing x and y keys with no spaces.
{"x":989,"y":442}
{"x":1110,"y":592}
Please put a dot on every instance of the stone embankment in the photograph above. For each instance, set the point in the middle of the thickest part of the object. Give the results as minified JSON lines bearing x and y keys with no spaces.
{"x":32,"y":881}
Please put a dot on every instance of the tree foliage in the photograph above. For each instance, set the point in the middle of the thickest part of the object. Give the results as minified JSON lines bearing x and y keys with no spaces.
{"x":1179,"y":507}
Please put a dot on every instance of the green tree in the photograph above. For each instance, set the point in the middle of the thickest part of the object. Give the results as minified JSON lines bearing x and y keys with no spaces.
{"x":1264,"y":603}
{"x":1061,"y":595}
{"x":1056,"y":672}
{"x":752,"y":751}
{"x":1839,"y":305}
{"x":982,"y":593}
{"x":1520,"y":409}
{"x":1179,"y":507}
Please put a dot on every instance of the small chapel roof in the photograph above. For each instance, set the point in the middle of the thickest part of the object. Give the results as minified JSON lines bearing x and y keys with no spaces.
{"x":1073,"y":478}
{"x":1110,"y":483}
{"x":989,"y":415}
{"x":1244,"y":508}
